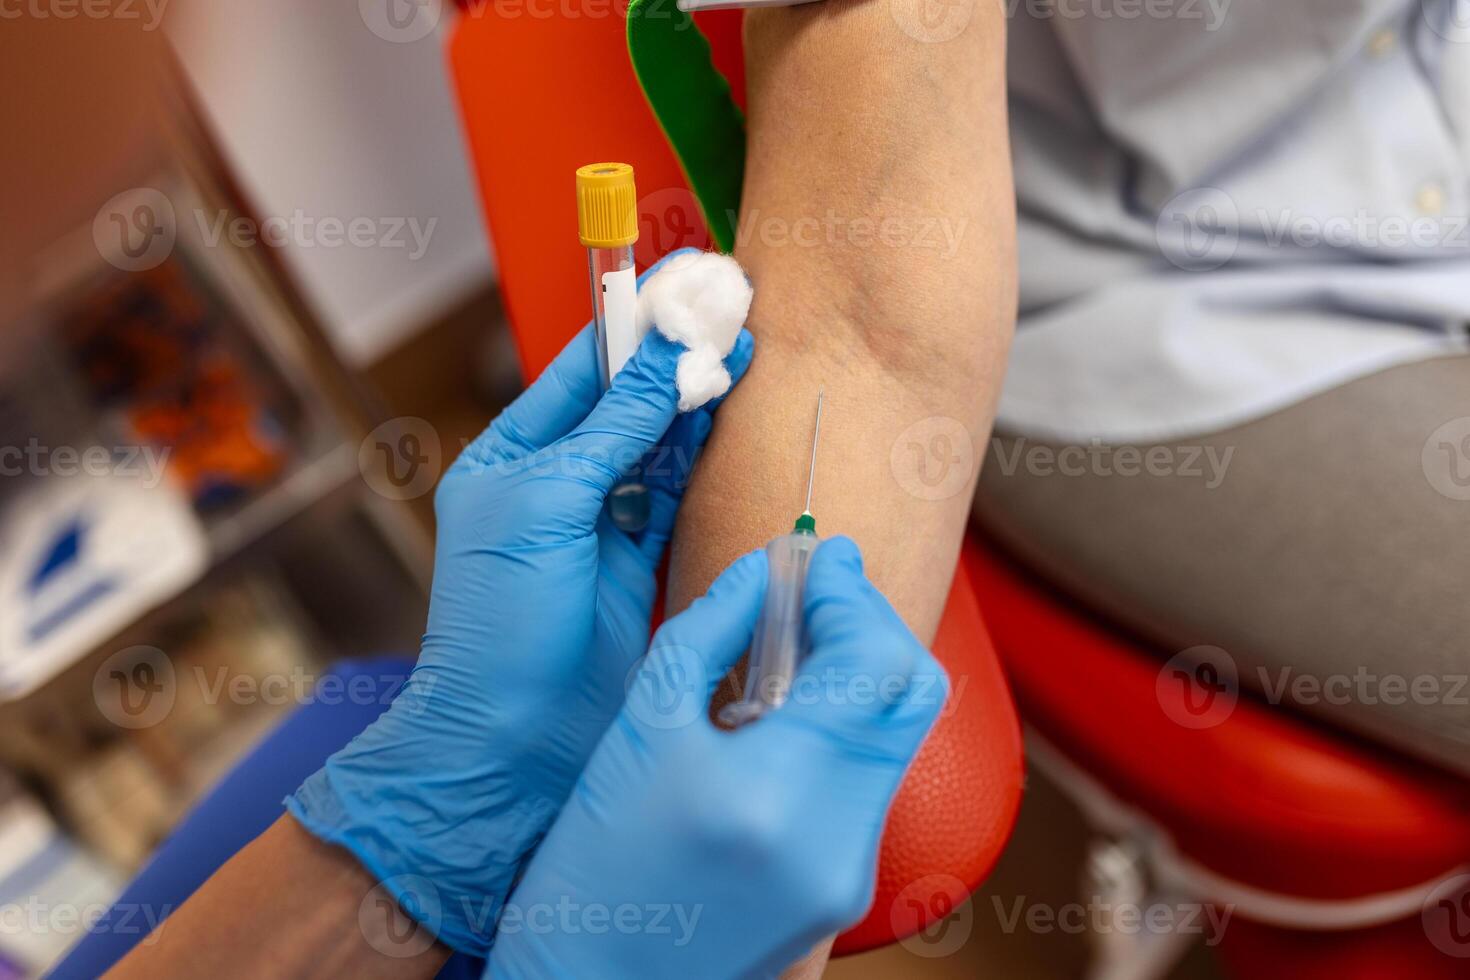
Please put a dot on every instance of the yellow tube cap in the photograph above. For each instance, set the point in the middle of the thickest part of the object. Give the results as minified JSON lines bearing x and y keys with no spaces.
{"x":607,"y":205}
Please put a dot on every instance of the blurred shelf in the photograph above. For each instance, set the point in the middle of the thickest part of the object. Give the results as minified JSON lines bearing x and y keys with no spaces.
{"x":303,"y":486}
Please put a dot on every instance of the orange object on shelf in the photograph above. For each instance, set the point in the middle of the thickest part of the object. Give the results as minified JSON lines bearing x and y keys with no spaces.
{"x":151,"y":353}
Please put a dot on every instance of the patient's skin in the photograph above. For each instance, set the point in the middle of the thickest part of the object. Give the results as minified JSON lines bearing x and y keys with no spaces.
{"x":897,"y":293}
{"x":287,"y":905}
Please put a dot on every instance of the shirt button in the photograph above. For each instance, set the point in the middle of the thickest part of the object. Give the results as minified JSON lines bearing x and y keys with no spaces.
{"x":1430,"y":199}
{"x":1381,"y":44}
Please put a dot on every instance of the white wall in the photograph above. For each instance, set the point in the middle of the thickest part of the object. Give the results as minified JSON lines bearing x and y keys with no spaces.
{"x":331,"y":109}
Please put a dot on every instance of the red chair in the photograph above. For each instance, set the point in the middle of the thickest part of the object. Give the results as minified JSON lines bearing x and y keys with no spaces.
{"x":1326,"y":852}
{"x":1337,"y":860}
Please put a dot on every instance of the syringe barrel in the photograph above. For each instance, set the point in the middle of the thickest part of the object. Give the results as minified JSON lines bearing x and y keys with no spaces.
{"x":780,"y":641}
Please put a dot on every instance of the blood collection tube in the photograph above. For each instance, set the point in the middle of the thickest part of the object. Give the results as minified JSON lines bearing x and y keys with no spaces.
{"x":607,"y":224}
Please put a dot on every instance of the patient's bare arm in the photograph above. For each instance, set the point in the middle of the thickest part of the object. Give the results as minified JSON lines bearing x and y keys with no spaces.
{"x":878,"y":227}
{"x":288,"y":905}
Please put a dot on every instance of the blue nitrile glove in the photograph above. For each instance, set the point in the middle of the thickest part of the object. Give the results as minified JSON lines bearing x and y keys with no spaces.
{"x":540,"y":607}
{"x":687,"y":851}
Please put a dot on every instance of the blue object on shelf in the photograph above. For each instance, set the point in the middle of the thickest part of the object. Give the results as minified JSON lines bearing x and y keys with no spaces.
{"x":63,"y":551}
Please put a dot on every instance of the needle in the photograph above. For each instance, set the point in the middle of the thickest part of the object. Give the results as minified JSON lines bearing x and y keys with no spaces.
{"x":812,"y":473}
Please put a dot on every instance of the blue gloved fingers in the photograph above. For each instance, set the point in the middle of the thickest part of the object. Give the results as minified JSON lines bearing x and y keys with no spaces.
{"x":692,"y":652}
{"x":626,"y":574}
{"x":631,"y":418}
{"x":663,"y":508}
{"x":848,"y":619}
{"x":551,"y":407}
{"x":667,"y":469}
{"x":866,"y":668}
{"x":669,"y":465}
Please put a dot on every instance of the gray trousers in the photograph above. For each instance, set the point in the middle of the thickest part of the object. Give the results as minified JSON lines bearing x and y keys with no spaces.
{"x":1325,"y":548}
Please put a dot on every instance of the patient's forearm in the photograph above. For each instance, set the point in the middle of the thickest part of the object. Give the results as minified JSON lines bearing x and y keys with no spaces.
{"x":878,"y":227}
{"x":287,"y":905}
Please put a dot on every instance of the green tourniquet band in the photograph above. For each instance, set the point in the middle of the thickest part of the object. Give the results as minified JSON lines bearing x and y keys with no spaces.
{"x":805,"y":524}
{"x":691,"y":101}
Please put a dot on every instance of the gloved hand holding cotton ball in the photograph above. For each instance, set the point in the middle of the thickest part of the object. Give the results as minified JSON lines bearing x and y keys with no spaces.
{"x":700,"y":300}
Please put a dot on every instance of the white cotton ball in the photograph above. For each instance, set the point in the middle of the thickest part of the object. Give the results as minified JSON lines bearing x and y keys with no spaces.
{"x":699,"y":300}
{"x":660,"y":294}
{"x":667,"y":301}
{"x":684,"y":260}
{"x":701,"y":376}
{"x":723,"y":302}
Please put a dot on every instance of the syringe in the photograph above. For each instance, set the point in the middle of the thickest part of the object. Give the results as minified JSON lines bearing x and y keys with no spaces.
{"x":780,"y":641}
{"x":607,"y":224}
